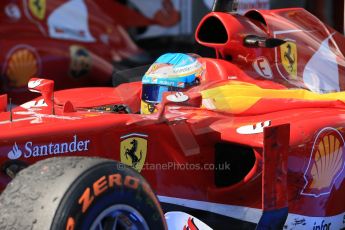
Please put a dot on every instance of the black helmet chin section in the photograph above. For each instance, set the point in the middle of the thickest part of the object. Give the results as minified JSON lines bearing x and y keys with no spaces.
{"x":225,"y":6}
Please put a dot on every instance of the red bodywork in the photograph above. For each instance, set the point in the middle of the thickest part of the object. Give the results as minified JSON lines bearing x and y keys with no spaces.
{"x":284,"y":143}
{"x":75,"y":43}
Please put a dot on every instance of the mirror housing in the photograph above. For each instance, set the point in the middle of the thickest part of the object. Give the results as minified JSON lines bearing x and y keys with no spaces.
{"x":253,"y":41}
{"x":43,"y":86}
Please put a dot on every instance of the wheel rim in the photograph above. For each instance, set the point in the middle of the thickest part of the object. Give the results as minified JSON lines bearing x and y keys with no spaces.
{"x":119,"y":217}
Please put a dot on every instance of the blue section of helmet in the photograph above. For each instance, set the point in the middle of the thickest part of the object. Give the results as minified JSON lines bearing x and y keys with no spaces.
{"x":173,"y":69}
{"x":176,"y":59}
{"x":180,"y":82}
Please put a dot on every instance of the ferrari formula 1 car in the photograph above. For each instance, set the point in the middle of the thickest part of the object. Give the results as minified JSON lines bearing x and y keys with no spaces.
{"x":251,"y":139}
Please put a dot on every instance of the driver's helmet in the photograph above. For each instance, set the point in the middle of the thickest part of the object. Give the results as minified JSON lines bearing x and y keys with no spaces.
{"x":171,"y":72}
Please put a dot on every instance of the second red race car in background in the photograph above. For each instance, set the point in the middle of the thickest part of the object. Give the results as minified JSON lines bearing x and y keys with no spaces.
{"x":75,"y":43}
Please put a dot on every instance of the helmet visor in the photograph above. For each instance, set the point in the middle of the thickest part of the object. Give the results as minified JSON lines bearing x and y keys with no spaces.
{"x":153,"y":93}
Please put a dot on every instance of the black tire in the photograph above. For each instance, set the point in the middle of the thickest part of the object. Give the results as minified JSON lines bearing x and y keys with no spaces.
{"x":75,"y":192}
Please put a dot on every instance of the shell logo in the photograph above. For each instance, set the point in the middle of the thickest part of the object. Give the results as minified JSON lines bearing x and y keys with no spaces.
{"x":22,"y":64}
{"x":326,"y":163}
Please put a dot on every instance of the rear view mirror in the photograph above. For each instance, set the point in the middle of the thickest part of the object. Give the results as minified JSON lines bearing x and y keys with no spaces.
{"x":42,"y":86}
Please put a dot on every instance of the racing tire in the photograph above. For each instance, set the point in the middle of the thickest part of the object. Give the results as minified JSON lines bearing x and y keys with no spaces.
{"x":75,"y":193}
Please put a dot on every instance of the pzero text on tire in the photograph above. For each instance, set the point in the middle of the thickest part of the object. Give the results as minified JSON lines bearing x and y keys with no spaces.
{"x":75,"y":193}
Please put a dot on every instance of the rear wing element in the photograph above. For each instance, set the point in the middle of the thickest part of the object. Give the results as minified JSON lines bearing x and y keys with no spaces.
{"x":274,"y":178}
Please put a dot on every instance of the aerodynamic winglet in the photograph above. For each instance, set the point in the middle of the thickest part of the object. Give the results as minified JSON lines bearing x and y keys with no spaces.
{"x":274,"y":177}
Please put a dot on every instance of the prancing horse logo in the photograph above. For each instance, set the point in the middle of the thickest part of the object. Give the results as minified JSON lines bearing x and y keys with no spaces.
{"x":133,"y":149}
{"x":289,"y":58}
{"x":38,"y":8}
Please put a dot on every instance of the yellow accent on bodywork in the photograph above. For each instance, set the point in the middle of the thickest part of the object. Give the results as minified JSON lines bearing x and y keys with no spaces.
{"x":237,"y":97}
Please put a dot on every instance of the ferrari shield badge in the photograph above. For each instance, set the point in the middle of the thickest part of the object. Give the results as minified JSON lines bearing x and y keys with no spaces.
{"x":133,"y":149}
{"x":288,"y":53}
{"x":38,"y":8}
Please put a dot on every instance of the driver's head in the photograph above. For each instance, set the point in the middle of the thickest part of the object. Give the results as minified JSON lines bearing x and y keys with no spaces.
{"x":171,"y":72}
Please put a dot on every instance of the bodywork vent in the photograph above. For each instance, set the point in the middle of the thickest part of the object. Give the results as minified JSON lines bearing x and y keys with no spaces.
{"x":241,"y":160}
{"x":212,"y":31}
{"x":256,"y":16}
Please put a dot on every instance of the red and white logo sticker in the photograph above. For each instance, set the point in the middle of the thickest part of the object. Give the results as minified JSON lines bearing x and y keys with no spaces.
{"x":262,"y":67}
{"x":184,"y":221}
{"x":254,"y":129}
{"x":178,"y":97}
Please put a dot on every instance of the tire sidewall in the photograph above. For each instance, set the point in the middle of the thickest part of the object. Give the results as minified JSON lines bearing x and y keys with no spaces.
{"x":82,"y":203}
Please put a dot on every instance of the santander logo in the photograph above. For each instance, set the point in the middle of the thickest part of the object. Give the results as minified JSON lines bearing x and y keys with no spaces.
{"x":32,"y":150}
{"x":15,"y":153}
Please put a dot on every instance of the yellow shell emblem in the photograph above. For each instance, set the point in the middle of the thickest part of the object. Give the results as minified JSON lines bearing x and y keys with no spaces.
{"x":38,"y":8}
{"x":288,"y":53}
{"x":133,"y":149}
{"x":22,"y":65}
{"x":326,"y":163}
